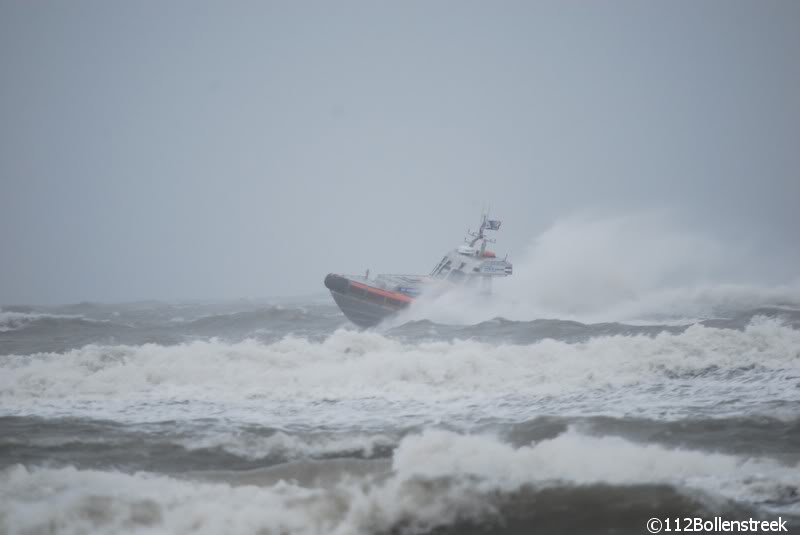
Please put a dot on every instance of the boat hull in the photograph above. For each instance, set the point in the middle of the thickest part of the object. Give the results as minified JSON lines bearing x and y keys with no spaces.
{"x":364,"y":305}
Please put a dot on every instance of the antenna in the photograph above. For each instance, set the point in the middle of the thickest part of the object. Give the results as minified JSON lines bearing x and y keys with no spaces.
{"x":486,"y":224}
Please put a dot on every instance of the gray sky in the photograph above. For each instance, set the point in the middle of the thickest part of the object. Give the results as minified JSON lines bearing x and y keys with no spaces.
{"x":191,"y":149}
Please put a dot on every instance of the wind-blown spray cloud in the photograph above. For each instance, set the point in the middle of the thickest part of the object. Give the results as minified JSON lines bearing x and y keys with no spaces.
{"x":629,"y":267}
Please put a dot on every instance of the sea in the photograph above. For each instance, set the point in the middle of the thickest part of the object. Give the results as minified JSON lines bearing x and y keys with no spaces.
{"x":281,"y":417}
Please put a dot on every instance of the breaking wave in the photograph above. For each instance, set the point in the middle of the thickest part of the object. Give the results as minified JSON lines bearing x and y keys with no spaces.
{"x":757,"y":363}
{"x":221,"y":445}
{"x":436,"y":480}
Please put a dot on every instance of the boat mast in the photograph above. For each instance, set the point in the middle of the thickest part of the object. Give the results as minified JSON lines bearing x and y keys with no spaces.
{"x":479,"y":236}
{"x":486,"y":224}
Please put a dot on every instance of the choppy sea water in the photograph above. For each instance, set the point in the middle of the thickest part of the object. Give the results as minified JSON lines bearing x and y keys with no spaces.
{"x":253,"y":417}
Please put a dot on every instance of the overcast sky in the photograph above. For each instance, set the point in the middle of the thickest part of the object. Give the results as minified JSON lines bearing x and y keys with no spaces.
{"x":192,"y":149}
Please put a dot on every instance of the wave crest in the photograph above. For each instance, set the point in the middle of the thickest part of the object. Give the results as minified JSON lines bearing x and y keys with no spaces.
{"x":349,"y":365}
{"x":437,"y":479}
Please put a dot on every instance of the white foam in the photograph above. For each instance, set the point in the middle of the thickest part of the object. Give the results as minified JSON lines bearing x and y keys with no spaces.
{"x":469,"y":469}
{"x":631,"y":267}
{"x":364,"y":367}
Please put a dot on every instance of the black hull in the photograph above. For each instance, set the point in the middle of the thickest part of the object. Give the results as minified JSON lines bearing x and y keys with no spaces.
{"x":364,"y":306}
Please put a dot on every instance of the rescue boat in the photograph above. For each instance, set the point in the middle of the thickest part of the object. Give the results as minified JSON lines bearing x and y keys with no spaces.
{"x":367,"y":301}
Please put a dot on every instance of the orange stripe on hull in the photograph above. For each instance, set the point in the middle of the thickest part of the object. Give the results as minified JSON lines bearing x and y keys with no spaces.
{"x":385,"y":293}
